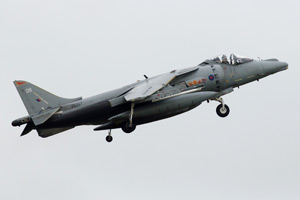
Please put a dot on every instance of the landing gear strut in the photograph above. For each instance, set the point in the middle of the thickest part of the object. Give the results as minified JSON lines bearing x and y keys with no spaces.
{"x":222,"y":109}
{"x":109,"y":138}
{"x":131,"y":114}
{"x":129,"y":126}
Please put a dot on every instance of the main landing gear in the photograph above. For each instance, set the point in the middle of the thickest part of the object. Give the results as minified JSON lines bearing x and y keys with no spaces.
{"x":222,"y":109}
{"x":127,"y":127}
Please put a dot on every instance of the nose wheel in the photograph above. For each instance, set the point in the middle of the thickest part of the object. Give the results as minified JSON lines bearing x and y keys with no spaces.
{"x":222,"y":109}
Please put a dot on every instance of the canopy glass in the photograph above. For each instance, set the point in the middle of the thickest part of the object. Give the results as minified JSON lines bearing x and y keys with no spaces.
{"x":232,"y":59}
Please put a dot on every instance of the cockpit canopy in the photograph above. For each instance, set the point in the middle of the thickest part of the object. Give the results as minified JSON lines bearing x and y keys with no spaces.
{"x":232,"y":59}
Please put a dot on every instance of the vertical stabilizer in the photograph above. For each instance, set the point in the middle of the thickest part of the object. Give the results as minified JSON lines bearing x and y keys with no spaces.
{"x":37,"y":100}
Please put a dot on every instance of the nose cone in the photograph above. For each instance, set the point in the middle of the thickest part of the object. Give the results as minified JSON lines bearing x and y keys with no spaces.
{"x":271,"y":67}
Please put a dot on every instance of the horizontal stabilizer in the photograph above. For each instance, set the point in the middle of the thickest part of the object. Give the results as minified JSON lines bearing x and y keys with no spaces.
{"x":44,"y":116}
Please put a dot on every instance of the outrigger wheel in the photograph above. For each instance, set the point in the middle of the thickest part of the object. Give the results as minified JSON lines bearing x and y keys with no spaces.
{"x":109,"y":138}
{"x":128,"y":127}
{"x":222,"y":110}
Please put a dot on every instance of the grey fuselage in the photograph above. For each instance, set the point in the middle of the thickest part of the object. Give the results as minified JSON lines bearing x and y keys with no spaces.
{"x":214,"y":79}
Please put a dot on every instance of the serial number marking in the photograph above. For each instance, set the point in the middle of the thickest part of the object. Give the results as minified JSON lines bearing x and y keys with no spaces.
{"x":76,"y":105}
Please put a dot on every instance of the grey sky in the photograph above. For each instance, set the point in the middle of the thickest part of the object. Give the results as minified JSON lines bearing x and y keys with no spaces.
{"x":83,"y":48}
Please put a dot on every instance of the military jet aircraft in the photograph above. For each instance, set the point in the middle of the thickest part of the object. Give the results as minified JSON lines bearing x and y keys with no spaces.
{"x":145,"y":101}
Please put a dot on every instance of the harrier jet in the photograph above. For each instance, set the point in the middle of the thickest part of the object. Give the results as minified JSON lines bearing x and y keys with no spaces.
{"x":145,"y":101}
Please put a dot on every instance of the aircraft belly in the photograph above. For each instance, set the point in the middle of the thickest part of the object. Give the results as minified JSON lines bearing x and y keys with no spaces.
{"x":171,"y":107}
{"x":79,"y":116}
{"x":164,"y":109}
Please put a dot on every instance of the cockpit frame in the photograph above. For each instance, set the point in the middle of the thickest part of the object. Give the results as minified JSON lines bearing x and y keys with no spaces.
{"x":232,"y":59}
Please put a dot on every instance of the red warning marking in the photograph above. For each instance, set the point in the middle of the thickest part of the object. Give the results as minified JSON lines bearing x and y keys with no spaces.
{"x":20,"y":83}
{"x":194,"y":82}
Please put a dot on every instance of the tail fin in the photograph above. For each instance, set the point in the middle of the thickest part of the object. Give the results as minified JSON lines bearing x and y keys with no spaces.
{"x":37,"y":100}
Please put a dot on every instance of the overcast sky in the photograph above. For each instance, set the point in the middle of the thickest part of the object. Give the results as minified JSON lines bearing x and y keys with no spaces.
{"x":83,"y":48}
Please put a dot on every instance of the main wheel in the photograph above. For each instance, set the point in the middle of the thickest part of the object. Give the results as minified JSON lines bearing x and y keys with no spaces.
{"x":222,"y":112}
{"x":127,"y":128}
{"x":109,"y":138}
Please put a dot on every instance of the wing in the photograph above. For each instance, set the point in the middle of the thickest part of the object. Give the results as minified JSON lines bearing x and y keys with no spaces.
{"x":152,"y":85}
{"x":148,"y":87}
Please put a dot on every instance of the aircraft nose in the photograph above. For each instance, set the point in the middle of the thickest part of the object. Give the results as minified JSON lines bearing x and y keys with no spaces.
{"x":271,"y":67}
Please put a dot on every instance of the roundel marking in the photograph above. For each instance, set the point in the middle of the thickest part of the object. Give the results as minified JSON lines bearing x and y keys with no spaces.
{"x":211,"y":77}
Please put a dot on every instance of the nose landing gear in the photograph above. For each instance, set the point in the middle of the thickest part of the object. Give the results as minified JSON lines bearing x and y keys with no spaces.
{"x":222,"y":109}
